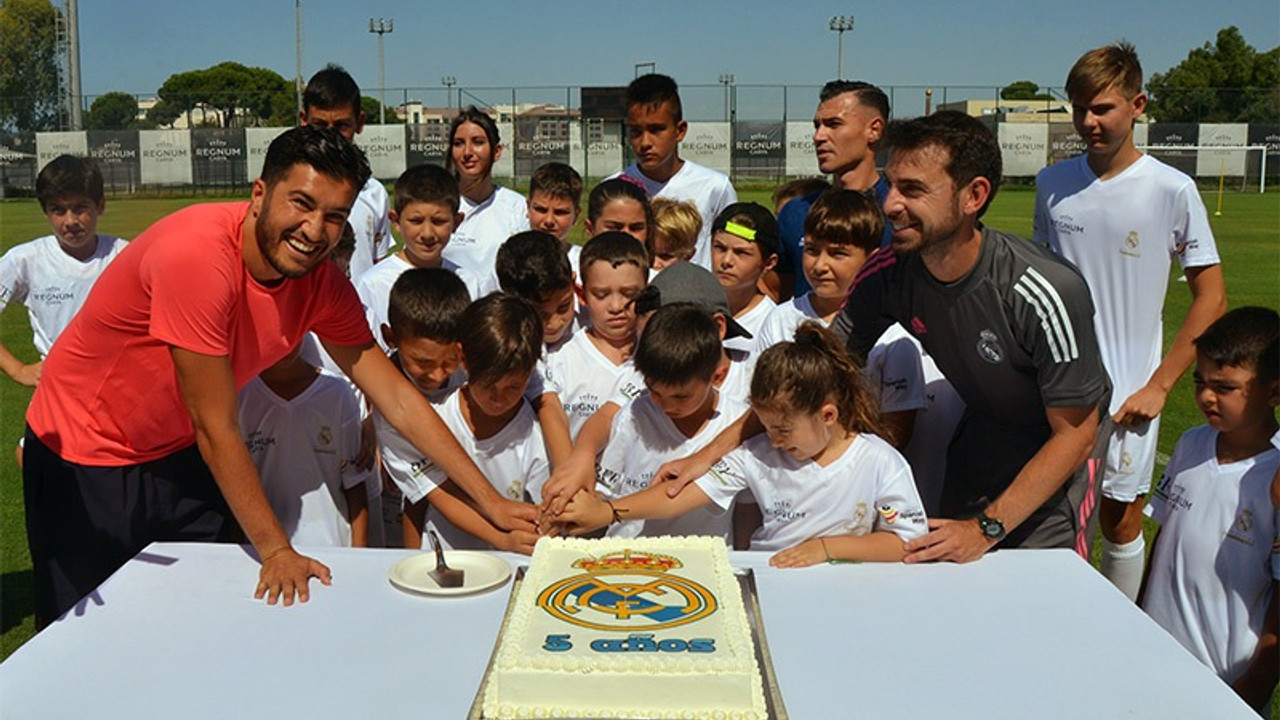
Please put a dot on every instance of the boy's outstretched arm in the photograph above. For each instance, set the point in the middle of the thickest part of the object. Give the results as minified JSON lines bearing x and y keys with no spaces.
{"x":578,"y":472}
{"x":451,"y":502}
{"x":675,"y":474}
{"x":588,"y":511}
{"x":414,"y":418}
{"x":1208,"y":302}
{"x":555,"y":428}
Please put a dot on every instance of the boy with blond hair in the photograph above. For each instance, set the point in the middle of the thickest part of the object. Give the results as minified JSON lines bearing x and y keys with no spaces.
{"x":1215,"y":562}
{"x":676,"y":226}
{"x":1119,"y":216}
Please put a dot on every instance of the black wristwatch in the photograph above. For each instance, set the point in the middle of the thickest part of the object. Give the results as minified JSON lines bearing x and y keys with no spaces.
{"x":992,"y":529}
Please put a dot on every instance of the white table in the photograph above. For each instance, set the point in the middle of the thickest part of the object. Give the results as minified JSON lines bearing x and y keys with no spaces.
{"x":1020,"y":634}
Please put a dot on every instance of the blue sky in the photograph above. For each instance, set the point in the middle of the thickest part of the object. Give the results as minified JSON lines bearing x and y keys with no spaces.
{"x":134,"y":45}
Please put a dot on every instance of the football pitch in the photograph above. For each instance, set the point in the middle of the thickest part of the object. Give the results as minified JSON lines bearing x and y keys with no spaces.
{"x":1247,"y":232}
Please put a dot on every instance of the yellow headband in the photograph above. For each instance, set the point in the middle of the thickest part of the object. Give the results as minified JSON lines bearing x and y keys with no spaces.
{"x":741,"y":231}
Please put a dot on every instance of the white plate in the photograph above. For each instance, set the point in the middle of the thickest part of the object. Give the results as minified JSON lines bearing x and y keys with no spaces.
{"x":482,"y":571}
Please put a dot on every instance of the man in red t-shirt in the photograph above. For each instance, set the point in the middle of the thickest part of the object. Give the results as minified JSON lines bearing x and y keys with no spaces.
{"x":132,"y":434}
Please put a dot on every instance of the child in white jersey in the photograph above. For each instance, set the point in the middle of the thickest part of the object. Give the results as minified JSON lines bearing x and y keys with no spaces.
{"x":589,"y":366}
{"x":744,"y":245}
{"x":490,"y":213}
{"x":1119,"y":216}
{"x":52,"y":275}
{"x":425,"y":214}
{"x":555,"y":201}
{"x":501,"y":341}
{"x":680,"y":358}
{"x":532,"y":265}
{"x":424,"y":312}
{"x":676,"y":226}
{"x":1215,"y":562}
{"x":655,"y":128}
{"x":828,"y":487}
{"x":620,"y":205}
{"x":302,"y":428}
{"x":682,"y":282}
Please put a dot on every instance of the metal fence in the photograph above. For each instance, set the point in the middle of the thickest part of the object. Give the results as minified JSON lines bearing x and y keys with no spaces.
{"x":751,"y":132}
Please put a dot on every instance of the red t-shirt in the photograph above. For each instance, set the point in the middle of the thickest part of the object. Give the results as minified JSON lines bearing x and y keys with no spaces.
{"x":108,"y":395}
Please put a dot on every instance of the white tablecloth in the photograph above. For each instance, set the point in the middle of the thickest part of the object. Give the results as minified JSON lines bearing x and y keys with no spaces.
{"x":1020,"y":634}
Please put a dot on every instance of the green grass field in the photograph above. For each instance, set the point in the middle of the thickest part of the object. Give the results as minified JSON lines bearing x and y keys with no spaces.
{"x":1248,"y":235}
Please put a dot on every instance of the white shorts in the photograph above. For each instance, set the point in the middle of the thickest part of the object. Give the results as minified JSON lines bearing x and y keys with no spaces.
{"x":1131,"y":461}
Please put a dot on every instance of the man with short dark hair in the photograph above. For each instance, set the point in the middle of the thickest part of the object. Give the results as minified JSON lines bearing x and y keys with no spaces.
{"x":132,"y":435}
{"x":332,"y":100}
{"x":847,"y":127}
{"x":1011,"y":327}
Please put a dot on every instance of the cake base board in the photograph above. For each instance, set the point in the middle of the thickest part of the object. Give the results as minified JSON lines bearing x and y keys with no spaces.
{"x":751,"y":600}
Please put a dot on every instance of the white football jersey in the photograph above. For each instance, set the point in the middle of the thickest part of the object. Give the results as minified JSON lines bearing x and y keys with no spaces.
{"x":1213,"y":568}
{"x":374,"y":289}
{"x":305,"y":451}
{"x":909,"y":379}
{"x":868,"y":488}
{"x":514,"y":460}
{"x":751,"y":321}
{"x":370,"y":218}
{"x":1121,"y":233}
{"x":584,"y":378}
{"x":51,"y":284}
{"x":485,"y":226}
{"x":710,"y":190}
{"x":781,"y":324}
{"x":643,"y":438}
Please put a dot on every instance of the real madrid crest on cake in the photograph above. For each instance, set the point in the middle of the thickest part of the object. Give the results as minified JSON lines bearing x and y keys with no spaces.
{"x":628,"y":590}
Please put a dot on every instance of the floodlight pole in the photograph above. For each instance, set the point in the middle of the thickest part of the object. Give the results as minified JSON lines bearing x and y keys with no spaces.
{"x":726,"y":79}
{"x":448,"y":81}
{"x":381,"y":27}
{"x":839,"y":24}
{"x":297,"y":52}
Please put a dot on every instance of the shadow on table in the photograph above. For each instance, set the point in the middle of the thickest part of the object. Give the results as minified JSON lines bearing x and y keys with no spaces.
{"x":17,"y":598}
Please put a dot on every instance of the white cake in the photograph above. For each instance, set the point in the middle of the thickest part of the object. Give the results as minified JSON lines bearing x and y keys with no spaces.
{"x":627,"y":628}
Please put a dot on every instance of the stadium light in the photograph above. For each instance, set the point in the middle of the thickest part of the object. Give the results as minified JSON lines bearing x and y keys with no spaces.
{"x":726,"y":79}
{"x":448,"y":81}
{"x":839,"y":24}
{"x":382,"y":27}
{"x":651,"y":67}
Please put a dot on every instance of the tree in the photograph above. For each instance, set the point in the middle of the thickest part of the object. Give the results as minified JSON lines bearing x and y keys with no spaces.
{"x":113,"y":111}
{"x":30,"y":94}
{"x":372,"y":110}
{"x":1227,"y":81}
{"x":1023,"y":90}
{"x":241,"y":95}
